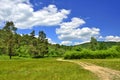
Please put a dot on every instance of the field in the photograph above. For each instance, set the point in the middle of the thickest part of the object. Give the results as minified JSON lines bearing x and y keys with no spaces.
{"x":42,"y":69}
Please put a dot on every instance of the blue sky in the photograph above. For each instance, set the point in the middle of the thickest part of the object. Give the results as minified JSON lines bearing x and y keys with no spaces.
{"x":67,"y":22}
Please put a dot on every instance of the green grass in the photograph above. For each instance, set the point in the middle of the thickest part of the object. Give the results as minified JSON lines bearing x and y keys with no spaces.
{"x":41,"y":69}
{"x":4,"y":57}
{"x":110,"y":63}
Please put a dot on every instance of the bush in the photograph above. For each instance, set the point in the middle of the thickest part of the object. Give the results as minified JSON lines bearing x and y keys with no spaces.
{"x":3,"y":50}
{"x":56,"y":53}
{"x":76,"y":54}
{"x":23,"y":51}
{"x":89,"y":54}
{"x":71,"y":55}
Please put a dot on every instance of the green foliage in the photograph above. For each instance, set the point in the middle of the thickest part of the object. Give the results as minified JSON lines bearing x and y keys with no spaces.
{"x":42,"y":35}
{"x":118,"y":48}
{"x":89,"y":54}
{"x":56,"y":50}
{"x":23,"y":51}
{"x":93,"y":44}
{"x":93,"y":50}
{"x":78,"y":55}
{"x":56,"y":53}
{"x":32,"y":34}
{"x":77,"y":48}
{"x":72,"y":55}
{"x":9,"y":26}
{"x":3,"y":50}
{"x":102,"y":46}
{"x":26,"y":45}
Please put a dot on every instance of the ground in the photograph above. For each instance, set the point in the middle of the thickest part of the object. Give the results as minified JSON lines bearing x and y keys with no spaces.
{"x":102,"y":72}
{"x":58,"y":69}
{"x":42,"y":69}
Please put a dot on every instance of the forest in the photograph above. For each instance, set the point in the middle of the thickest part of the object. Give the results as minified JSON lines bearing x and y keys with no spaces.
{"x":27,"y":45}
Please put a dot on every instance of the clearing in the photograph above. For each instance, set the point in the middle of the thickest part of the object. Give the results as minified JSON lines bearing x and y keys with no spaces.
{"x":42,"y":69}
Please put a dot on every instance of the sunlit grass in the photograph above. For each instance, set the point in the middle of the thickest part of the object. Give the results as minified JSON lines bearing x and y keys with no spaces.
{"x":110,"y":63}
{"x":42,"y":69}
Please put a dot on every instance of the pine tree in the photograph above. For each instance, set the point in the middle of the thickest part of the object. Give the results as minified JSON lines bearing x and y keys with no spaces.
{"x":32,"y":34}
{"x":93,"y":44}
{"x":10,"y":29}
{"x":42,"y":36}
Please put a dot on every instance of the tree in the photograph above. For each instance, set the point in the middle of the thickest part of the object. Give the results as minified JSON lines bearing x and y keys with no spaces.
{"x":42,"y":36}
{"x":118,"y":47}
{"x":32,"y":34}
{"x":34,"y":42}
{"x":9,"y":26}
{"x":10,"y":48}
{"x":93,"y":44}
{"x":102,"y":46}
{"x":42,"y":44}
{"x":14,"y":44}
{"x":10,"y":29}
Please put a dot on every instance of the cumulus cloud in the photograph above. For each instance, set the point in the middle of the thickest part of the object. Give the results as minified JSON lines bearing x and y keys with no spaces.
{"x":51,"y":41}
{"x":75,"y":23}
{"x":66,"y":42}
{"x":78,"y":43}
{"x":22,"y":13}
{"x":112,"y":38}
{"x":71,"y":30}
{"x":24,"y":16}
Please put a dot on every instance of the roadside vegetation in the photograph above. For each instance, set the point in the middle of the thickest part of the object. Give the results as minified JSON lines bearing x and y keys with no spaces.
{"x":109,"y":63}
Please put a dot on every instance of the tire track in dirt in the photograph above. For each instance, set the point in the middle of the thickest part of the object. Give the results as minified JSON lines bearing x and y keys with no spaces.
{"x":102,"y":72}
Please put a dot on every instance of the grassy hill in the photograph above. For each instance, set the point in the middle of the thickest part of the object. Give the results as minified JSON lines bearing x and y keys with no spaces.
{"x":108,"y":44}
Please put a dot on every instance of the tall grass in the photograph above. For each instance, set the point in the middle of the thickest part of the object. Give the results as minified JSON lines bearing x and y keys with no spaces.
{"x":42,"y":69}
{"x":110,"y":63}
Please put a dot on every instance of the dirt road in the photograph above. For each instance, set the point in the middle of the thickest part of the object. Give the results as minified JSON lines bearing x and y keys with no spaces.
{"x":102,"y":72}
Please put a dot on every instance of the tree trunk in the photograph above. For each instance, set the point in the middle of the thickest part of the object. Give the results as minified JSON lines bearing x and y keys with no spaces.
{"x":10,"y":56}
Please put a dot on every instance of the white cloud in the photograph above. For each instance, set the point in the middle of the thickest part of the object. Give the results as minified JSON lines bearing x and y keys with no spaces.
{"x":78,"y":43}
{"x":112,"y":38}
{"x":75,"y":23}
{"x":35,"y":36}
{"x":66,"y":42}
{"x":24,"y":16}
{"x":51,"y":41}
{"x":100,"y":37}
{"x":71,"y":31}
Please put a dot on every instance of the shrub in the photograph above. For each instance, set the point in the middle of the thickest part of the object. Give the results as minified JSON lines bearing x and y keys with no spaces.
{"x":3,"y":50}
{"x":23,"y":51}
{"x":56,"y":53}
{"x":89,"y":54}
{"x":71,"y":55}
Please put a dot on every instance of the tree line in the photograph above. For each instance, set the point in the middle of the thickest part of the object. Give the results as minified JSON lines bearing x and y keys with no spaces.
{"x":94,"y":50}
{"x":14,"y":44}
{"x":27,"y":45}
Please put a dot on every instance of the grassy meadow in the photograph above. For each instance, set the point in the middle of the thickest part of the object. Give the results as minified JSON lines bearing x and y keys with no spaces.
{"x":41,"y":69}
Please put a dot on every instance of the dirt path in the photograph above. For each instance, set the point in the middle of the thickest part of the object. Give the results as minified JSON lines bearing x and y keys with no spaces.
{"x":102,"y":72}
